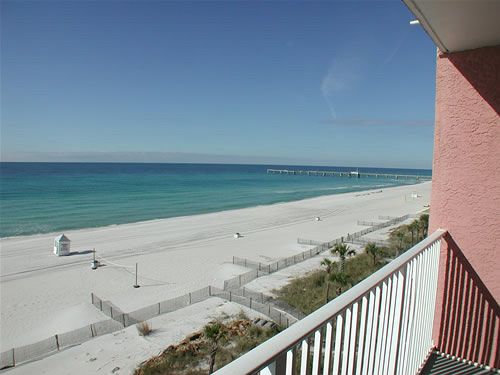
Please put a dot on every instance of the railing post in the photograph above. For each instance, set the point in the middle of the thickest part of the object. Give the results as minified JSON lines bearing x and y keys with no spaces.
{"x":318,"y":343}
{"x":304,"y":360}
{"x":402,"y":319}
{"x":327,"y":359}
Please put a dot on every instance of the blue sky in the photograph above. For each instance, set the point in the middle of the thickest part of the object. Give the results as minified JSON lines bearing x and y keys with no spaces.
{"x":338,"y":83}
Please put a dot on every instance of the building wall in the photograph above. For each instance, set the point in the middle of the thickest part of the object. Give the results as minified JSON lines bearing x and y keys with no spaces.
{"x":466,"y":190}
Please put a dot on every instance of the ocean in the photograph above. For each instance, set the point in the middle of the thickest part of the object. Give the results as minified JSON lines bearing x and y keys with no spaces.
{"x":48,"y":197}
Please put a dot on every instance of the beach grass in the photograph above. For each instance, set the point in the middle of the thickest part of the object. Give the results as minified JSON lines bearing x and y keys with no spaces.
{"x":307,"y":293}
{"x":191,"y":356}
{"x":144,"y":328}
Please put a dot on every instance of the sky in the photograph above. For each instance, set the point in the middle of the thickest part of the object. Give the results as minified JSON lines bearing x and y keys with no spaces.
{"x":347,"y":83}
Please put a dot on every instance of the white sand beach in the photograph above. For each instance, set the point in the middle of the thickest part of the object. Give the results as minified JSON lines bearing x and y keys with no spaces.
{"x":119,"y":353}
{"x":42,"y":294}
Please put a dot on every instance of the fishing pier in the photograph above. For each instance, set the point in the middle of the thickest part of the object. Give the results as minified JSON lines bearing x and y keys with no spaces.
{"x":352,"y":174}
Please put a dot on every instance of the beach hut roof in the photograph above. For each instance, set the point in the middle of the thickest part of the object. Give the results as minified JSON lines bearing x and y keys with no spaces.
{"x":62,"y":238}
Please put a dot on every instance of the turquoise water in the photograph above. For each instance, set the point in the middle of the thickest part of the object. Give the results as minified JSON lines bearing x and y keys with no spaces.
{"x":47,"y":197}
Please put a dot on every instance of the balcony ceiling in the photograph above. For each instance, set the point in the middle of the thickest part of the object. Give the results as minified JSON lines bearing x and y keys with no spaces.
{"x":459,"y":25}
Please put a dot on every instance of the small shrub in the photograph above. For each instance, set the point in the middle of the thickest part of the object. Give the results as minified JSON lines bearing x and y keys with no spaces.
{"x":242,"y":315}
{"x":144,"y":328}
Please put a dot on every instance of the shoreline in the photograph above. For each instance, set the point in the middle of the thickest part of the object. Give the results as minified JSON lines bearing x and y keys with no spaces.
{"x":152,"y":221}
{"x":43,"y":294}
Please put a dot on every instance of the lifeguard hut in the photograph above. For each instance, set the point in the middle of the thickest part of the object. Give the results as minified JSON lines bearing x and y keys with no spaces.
{"x":61,"y":245}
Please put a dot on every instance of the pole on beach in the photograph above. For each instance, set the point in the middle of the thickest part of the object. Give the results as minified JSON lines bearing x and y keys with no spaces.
{"x":136,"y":285}
{"x":94,"y":261}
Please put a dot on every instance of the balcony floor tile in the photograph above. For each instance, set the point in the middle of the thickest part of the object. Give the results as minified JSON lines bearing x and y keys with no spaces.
{"x":437,"y":364}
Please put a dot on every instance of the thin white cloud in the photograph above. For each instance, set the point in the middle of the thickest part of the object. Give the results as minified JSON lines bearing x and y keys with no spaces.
{"x":397,"y":45}
{"x":343,"y":74}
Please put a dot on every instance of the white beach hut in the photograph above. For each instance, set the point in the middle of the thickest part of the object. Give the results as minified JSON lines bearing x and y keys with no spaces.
{"x":61,"y":245}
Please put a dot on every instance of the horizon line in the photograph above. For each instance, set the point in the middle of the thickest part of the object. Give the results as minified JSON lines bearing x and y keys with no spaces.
{"x":206,"y":163}
{"x":155,"y":157}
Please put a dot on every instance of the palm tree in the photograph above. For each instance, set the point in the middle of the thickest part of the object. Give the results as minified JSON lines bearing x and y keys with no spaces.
{"x":329,"y":265}
{"x":214,"y":332}
{"x":342,"y":250}
{"x":414,"y":227}
{"x":341,"y":279}
{"x":400,"y":235}
{"x":424,"y":224}
{"x":373,"y":250}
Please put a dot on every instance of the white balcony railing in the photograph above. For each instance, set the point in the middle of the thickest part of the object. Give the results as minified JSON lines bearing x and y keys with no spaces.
{"x":383,"y":325}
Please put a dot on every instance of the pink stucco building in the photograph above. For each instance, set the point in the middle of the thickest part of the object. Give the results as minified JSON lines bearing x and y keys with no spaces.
{"x":434,"y":309}
{"x":466,"y":202}
{"x":466,"y":175}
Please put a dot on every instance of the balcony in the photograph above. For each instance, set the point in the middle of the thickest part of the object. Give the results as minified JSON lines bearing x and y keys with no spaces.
{"x":385,"y":324}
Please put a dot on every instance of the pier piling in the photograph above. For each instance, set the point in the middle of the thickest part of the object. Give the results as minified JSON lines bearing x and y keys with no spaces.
{"x":347,"y":174}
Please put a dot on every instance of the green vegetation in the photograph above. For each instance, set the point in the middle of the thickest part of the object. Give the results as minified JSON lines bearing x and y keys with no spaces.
{"x":342,"y":280}
{"x":214,"y":333}
{"x":217,"y":344}
{"x":329,"y":267}
{"x":374,"y":251}
{"x":405,"y":236}
{"x":310,"y":292}
{"x":342,"y":250}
